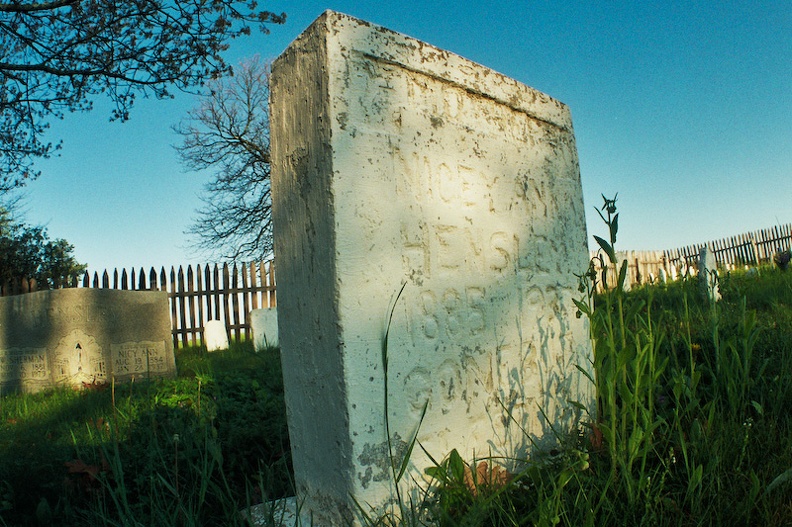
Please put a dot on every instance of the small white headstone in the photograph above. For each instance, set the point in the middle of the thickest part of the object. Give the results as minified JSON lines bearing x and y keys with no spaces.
{"x":264,"y":325}
{"x":708,"y":275}
{"x":674,"y":272}
{"x":628,"y":280}
{"x":215,"y":336}
{"x":663,"y":276}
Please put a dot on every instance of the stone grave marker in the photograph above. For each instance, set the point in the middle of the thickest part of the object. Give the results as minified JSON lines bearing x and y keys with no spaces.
{"x":708,"y":275}
{"x":215,"y":335}
{"x":76,"y":336}
{"x":401,"y":167}
{"x":264,"y":326}
{"x":674,"y":274}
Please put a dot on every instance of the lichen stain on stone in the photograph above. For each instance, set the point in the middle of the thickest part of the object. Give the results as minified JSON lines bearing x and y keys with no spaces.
{"x":342,"y":119}
{"x":377,"y":458}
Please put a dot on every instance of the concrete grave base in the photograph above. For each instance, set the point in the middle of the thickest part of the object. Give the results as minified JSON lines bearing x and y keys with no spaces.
{"x":283,"y":513}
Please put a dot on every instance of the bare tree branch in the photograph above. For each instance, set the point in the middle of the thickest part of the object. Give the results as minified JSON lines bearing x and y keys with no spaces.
{"x":228,"y":132}
{"x":29,"y":8}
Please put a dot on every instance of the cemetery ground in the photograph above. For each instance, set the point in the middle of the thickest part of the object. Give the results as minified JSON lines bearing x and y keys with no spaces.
{"x":186,"y":451}
{"x":694,"y":428}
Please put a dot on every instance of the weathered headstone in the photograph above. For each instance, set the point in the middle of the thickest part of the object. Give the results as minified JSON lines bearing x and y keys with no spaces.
{"x":264,"y":326}
{"x":215,"y":335}
{"x":674,"y":273}
{"x":394,"y":162}
{"x":708,"y":275}
{"x":663,"y":275}
{"x":629,"y":278}
{"x":76,"y":336}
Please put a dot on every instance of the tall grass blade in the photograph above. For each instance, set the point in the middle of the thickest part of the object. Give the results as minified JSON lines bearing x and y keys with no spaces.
{"x":386,"y":389}
{"x":784,"y":477}
{"x":405,"y":461}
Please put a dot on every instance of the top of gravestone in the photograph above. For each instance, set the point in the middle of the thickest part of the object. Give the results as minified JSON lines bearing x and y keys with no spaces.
{"x":377,"y":42}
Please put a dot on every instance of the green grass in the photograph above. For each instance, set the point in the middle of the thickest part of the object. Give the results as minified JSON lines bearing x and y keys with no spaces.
{"x":186,"y":451}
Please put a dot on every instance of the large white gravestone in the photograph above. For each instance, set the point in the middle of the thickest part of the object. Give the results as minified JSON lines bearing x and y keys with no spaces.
{"x":396,"y":162}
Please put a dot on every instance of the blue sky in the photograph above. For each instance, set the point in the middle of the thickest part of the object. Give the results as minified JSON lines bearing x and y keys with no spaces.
{"x":683,"y":108}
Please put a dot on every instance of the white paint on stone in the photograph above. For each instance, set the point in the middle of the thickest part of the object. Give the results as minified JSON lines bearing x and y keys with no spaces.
{"x":264,"y":326}
{"x":215,"y":335}
{"x":396,"y":162}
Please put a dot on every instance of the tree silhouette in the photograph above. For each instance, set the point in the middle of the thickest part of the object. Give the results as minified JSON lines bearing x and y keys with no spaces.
{"x":56,"y":56}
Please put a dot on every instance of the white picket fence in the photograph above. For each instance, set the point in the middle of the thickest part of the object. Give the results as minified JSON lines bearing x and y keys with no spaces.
{"x":741,"y":251}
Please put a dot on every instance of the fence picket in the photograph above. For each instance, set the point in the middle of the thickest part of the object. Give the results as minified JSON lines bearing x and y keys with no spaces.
{"x":208,"y":289}
{"x":200,"y":298}
{"x":271,"y":298}
{"x":174,"y":308}
{"x":179,"y":290}
{"x":225,"y":296}
{"x":234,"y":328}
{"x":216,"y":291}
{"x":190,"y":298}
{"x":245,"y":295}
{"x":254,"y":297}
